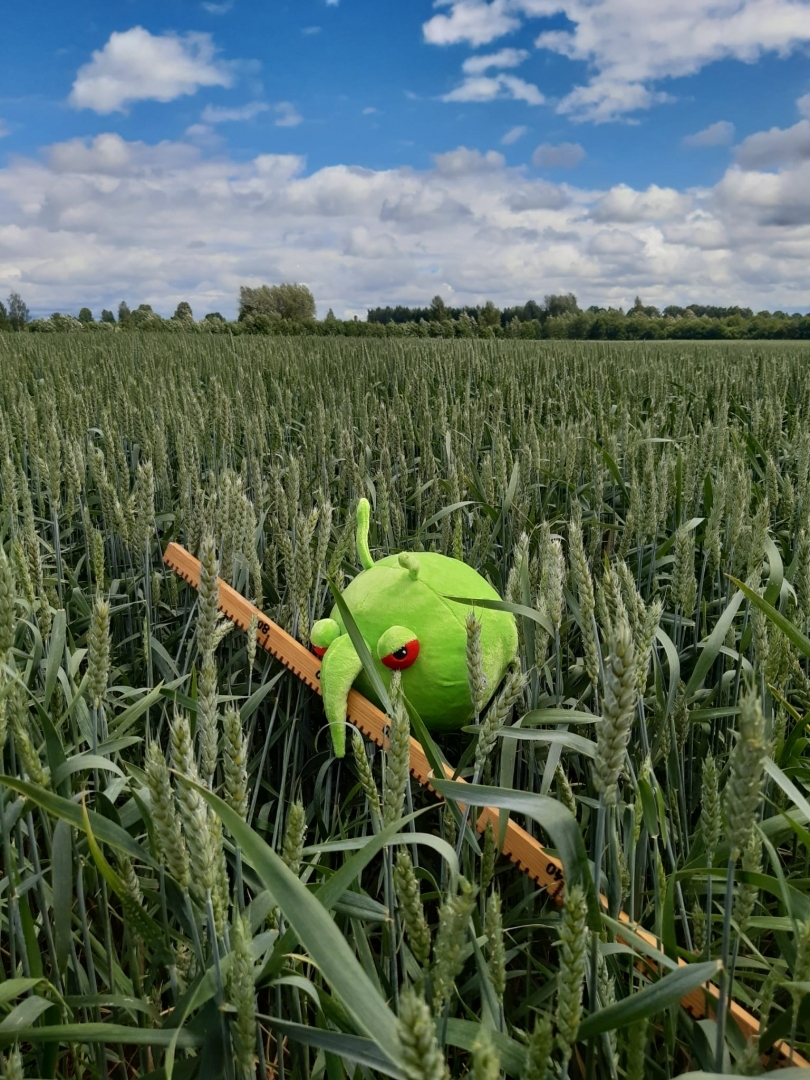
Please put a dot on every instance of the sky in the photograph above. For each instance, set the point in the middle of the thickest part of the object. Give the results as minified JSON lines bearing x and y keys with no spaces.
{"x":388,"y":152}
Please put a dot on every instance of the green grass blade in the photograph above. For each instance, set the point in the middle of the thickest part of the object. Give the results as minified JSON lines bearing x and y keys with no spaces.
{"x":56,"y":652}
{"x":559,"y":823}
{"x":362,"y":1052}
{"x":794,"y":636}
{"x":105,"y":830}
{"x":316,"y":931}
{"x":713,"y":644}
{"x":649,"y":1001}
{"x":361,"y":648}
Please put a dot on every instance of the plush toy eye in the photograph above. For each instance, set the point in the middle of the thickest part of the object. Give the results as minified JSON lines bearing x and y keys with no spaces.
{"x":402,"y":657}
{"x":324,"y":632}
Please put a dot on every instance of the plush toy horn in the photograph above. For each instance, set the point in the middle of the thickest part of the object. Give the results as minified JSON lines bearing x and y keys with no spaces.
{"x":363,"y":519}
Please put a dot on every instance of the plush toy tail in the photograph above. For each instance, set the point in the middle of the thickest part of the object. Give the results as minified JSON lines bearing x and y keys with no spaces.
{"x":341,"y":666}
{"x":363,"y":517}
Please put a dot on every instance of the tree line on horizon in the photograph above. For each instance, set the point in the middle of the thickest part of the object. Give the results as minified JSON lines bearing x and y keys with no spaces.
{"x":289,"y":309}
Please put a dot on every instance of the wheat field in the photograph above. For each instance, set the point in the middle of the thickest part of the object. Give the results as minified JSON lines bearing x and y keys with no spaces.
{"x":192,"y":884}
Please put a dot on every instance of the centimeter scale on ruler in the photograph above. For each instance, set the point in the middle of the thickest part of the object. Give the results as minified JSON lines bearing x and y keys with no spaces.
{"x":518,"y":846}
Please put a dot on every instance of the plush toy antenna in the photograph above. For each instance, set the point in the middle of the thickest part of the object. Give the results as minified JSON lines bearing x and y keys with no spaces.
{"x":363,"y":518}
{"x":410,"y":563}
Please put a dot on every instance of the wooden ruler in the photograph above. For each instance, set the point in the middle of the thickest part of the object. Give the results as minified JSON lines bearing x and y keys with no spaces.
{"x":522,"y":849}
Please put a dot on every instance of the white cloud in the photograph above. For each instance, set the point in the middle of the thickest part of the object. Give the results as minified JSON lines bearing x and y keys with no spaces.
{"x":464,"y":162}
{"x":513,"y":134}
{"x":217,"y":9}
{"x":630,"y":45}
{"x":370,"y":110}
{"x":562,"y":156}
{"x":287,"y":115}
{"x":480,"y":88}
{"x":615,"y":242}
{"x":779,"y":146}
{"x":504,"y":58}
{"x":309,"y":30}
{"x":137,"y":66}
{"x":472,"y":21}
{"x":96,"y":221}
{"x":202,"y":134}
{"x":720,"y":133}
{"x":522,"y":90}
{"x":4,"y":129}
{"x":214,"y":114}
{"x":803,"y":105}
{"x":488,"y":88}
{"x":625,"y":204}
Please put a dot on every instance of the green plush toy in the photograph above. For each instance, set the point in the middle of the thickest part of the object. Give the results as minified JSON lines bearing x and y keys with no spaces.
{"x":401,"y":608}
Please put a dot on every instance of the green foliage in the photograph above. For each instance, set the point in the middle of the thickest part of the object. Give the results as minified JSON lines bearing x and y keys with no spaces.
{"x":289,"y":301}
{"x":18,"y":314}
{"x":234,"y":898}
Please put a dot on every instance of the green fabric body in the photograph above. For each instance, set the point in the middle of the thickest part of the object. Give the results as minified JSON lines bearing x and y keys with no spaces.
{"x":436,"y":684}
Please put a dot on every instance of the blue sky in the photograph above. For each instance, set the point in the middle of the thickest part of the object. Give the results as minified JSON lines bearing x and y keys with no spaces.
{"x":386,"y":152}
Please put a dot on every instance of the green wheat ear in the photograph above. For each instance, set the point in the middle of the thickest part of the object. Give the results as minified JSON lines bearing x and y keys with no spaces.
{"x":363,"y":518}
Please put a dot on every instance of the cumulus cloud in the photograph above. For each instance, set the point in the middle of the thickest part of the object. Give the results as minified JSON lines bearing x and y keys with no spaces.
{"x":138,"y":66}
{"x":720,"y":133}
{"x":513,"y":134}
{"x":287,"y":115}
{"x":94,"y":221}
{"x":625,"y":204}
{"x":779,"y":146}
{"x":473,"y":21}
{"x":615,"y":242}
{"x":504,"y":58}
{"x":217,"y":9}
{"x":464,"y":162}
{"x":628,"y":45}
{"x":803,"y":105}
{"x":488,"y":88}
{"x":562,"y":156}
{"x":213,"y":114}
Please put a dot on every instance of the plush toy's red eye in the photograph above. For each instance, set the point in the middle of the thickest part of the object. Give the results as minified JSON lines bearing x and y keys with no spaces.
{"x":403,"y":657}
{"x":319,"y":652}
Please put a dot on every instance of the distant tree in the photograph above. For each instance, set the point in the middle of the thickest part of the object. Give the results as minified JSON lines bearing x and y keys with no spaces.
{"x":124,"y":314}
{"x":286,"y":301}
{"x":18,"y":314}
{"x":144,"y":318}
{"x":330,"y":316}
{"x":183,"y":312}
{"x":639,"y":308}
{"x":107,"y":316}
{"x":466,"y":325}
{"x":564,"y":304}
{"x":86,"y":315}
{"x":438,"y":309}
{"x":531,"y":310}
{"x":4,"y":320}
{"x":489,"y":316}
{"x":212,"y":316}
